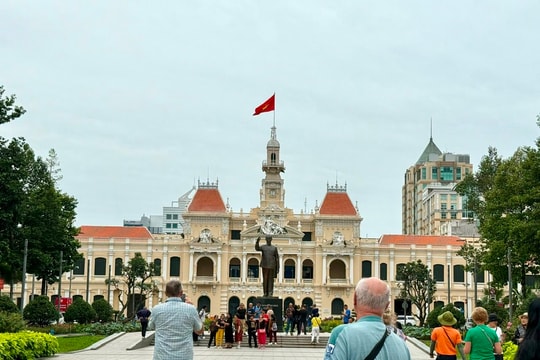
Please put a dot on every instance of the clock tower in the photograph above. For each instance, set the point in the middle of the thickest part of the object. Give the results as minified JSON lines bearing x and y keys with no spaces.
{"x":272,"y":192}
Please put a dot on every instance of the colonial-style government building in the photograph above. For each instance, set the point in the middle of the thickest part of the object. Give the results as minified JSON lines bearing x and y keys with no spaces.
{"x":321,"y":253}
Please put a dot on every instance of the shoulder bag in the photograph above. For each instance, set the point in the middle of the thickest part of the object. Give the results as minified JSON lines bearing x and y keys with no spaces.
{"x":496,"y":356}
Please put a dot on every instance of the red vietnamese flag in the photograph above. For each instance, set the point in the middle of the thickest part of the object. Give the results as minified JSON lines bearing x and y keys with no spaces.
{"x":268,"y":105}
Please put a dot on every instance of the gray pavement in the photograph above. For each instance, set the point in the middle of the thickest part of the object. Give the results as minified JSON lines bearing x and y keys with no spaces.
{"x":115,"y":348}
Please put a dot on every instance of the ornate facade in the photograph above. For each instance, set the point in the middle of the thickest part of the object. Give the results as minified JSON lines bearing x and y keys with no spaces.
{"x":321,"y":253}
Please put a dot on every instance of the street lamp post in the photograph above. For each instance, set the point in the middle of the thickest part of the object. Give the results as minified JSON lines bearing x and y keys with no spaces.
{"x":23,"y":283}
{"x":510,"y":283}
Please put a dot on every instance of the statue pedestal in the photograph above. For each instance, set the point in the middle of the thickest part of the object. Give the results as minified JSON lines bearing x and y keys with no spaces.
{"x":276,"y":304}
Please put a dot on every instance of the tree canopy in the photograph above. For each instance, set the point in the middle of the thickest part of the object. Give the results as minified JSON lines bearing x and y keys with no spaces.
{"x":418,"y":286}
{"x":32,"y":208}
{"x":505,"y":196}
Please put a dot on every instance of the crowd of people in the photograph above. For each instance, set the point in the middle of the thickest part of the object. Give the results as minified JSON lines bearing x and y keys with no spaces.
{"x":257,"y":323}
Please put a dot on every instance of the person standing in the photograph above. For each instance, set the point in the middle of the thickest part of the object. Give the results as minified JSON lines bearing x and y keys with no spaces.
{"x":519,"y":335}
{"x":493,"y":323}
{"x":238,"y":330}
{"x":346,"y":314}
{"x":143,"y":315}
{"x":229,"y":331}
{"x":481,"y":341}
{"x":269,"y":264}
{"x":315,"y":328}
{"x":241,"y":314}
{"x":252,"y":331}
{"x":445,"y":339}
{"x":174,"y":322}
{"x":289,"y":314}
{"x":368,"y":334}
{"x":220,"y":334}
{"x":202,"y":315}
{"x":213,"y":330}
{"x":303,"y":319}
{"x":529,"y":349}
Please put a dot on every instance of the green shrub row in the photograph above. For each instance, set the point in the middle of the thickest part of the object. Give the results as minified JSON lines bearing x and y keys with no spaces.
{"x":11,"y":322}
{"x":27,"y":345}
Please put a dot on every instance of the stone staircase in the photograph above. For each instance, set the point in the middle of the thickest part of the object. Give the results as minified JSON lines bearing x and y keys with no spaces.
{"x":285,"y":341}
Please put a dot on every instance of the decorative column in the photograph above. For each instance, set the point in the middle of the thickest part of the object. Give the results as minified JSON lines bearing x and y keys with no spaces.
{"x":377,"y":270}
{"x":298,"y":268}
{"x":218,"y":270}
{"x":281,"y":268}
{"x":190,"y":276}
{"x":244,"y":268}
{"x":324,"y":269}
{"x":351,"y":268}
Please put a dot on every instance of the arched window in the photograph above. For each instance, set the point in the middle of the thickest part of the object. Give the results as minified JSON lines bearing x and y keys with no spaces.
{"x":438,"y":272}
{"x":99,"y":266}
{"x":174,"y":269}
{"x":205,"y":267}
{"x":234,"y":302}
{"x":307,"y":269}
{"x":157,"y":267}
{"x":399,"y":269}
{"x":234,"y":268}
{"x":383,"y":271}
{"x":337,"y":270}
{"x":366,"y":268}
{"x":79,"y":267}
{"x":289,"y":269}
{"x":118,"y":266}
{"x":253,"y":270}
{"x":337,"y":306}
{"x":204,"y":300}
{"x":459,"y":273}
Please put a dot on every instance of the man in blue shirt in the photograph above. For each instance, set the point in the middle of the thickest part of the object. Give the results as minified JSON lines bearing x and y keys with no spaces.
{"x":357,"y":340}
{"x":175,"y":322}
{"x":346,"y":314}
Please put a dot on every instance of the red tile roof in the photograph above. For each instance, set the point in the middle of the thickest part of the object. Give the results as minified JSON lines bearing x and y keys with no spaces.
{"x":337,"y":203}
{"x":207,"y":200}
{"x":131,"y":232}
{"x":420,"y":240}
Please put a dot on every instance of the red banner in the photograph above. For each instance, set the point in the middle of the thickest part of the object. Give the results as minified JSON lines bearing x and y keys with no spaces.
{"x":1,"y":283}
{"x":64,"y":303}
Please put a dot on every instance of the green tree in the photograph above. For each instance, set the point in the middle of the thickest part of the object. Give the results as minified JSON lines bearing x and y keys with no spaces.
{"x":135,"y":284}
{"x":418,"y":286}
{"x":8,"y":110}
{"x":11,"y":322}
{"x":80,"y":311}
{"x":104,"y":310}
{"x":40,"y":311}
{"x":504,"y":194}
{"x":7,"y":305}
{"x":32,"y":208}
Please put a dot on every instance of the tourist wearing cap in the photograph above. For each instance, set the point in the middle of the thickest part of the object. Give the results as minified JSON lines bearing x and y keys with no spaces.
{"x":481,"y":342}
{"x":493,"y":323}
{"x":445,"y":339}
{"x":522,"y":327}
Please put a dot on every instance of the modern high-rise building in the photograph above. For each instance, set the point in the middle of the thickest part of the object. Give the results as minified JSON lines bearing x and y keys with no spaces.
{"x":429,"y":201}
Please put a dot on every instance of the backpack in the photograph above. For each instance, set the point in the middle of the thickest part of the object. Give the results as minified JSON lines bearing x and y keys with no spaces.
{"x":274,"y":326}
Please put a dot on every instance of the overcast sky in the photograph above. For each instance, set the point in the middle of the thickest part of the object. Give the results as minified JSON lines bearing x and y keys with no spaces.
{"x":142,"y":98}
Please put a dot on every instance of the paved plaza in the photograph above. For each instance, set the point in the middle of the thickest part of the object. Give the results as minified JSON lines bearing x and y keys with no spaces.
{"x":115,"y":348}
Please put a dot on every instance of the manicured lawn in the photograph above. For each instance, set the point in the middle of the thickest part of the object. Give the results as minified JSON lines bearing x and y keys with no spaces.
{"x":74,"y":343}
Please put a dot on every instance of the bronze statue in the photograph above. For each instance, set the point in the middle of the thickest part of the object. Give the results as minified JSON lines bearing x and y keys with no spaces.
{"x":269,"y":264}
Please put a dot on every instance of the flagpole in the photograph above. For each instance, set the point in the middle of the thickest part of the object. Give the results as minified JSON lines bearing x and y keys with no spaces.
{"x":274,"y":109}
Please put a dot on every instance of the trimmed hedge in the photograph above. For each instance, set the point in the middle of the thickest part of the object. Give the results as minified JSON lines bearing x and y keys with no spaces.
{"x":27,"y":345}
